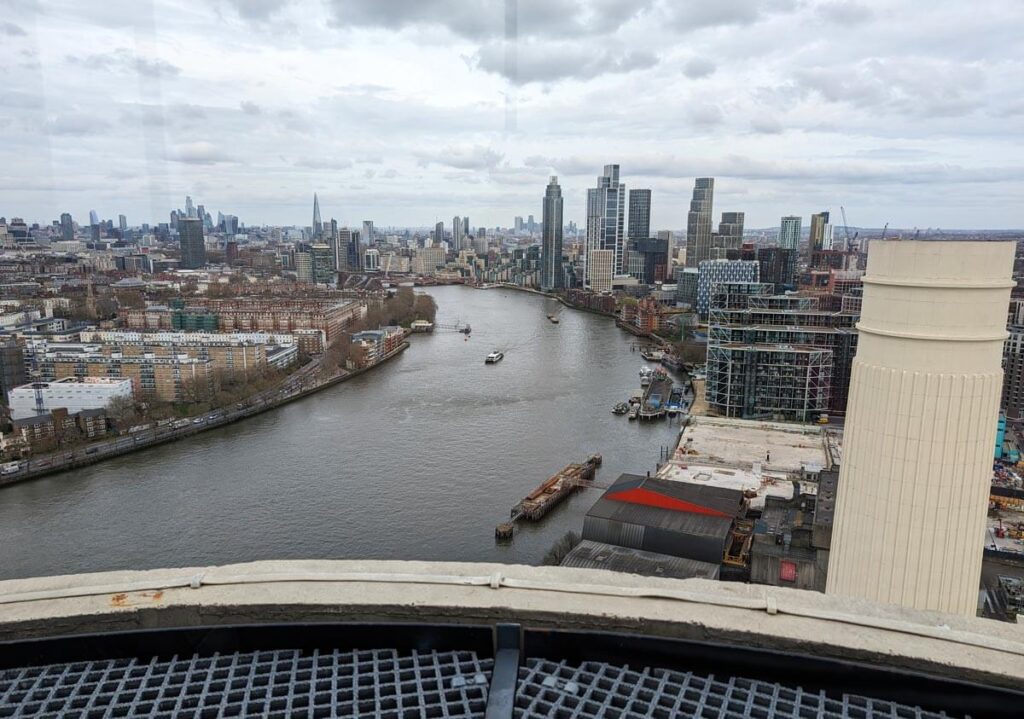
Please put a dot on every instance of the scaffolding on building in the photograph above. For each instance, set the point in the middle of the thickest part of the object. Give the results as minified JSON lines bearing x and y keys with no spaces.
{"x":777,"y":356}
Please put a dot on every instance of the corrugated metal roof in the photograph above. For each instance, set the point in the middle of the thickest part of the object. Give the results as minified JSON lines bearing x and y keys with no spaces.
{"x":728,"y":501}
{"x":721,"y":499}
{"x":595,"y":555}
{"x":667,"y":519}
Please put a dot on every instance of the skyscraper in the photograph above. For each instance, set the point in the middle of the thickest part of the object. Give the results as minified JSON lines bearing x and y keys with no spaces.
{"x":122,"y":224}
{"x":465,"y":227}
{"x":789,"y":232}
{"x":94,"y":219}
{"x":439,"y":233}
{"x":193,"y":246}
{"x":921,"y":424}
{"x":303,"y":261}
{"x":322,"y":257}
{"x":318,"y":226}
{"x":347,"y":250}
{"x":605,"y":226}
{"x":366,"y":236}
{"x":67,"y":227}
{"x":699,"y":223}
{"x":190,"y":209}
{"x":639,"y":214}
{"x":457,"y":237}
{"x":551,"y":238}
{"x":821,"y":232}
{"x":730,"y":231}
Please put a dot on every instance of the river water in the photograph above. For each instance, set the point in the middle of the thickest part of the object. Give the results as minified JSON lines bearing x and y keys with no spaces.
{"x":418,"y":459}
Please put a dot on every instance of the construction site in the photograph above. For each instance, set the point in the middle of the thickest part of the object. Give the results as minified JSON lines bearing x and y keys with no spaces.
{"x":777,"y":357}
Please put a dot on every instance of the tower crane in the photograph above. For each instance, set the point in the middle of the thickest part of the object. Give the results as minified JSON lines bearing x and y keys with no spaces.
{"x":846,"y":230}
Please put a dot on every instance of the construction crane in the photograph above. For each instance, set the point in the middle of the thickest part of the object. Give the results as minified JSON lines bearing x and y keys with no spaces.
{"x":849,"y":240}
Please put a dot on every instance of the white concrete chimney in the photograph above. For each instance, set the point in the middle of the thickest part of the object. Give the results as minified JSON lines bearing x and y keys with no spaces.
{"x":921,"y":423}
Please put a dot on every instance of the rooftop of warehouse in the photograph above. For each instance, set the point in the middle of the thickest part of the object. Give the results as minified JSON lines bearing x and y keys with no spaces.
{"x":753,"y":445}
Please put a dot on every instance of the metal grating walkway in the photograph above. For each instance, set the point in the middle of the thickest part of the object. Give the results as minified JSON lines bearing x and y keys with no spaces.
{"x":595,"y":689}
{"x":378,"y":683}
{"x":384,"y":683}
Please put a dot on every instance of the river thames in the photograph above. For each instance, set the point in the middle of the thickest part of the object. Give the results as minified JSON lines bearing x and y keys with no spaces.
{"x":418,"y":459}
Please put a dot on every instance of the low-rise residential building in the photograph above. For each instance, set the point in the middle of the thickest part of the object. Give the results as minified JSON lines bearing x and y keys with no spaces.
{"x":69,"y":393}
{"x":235,"y":351}
{"x":301,"y":317}
{"x":171,"y":378}
{"x":58,"y":428}
{"x":370,"y":346}
{"x":644,"y":316}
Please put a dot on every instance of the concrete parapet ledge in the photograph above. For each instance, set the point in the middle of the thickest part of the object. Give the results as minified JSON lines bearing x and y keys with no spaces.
{"x":963,"y":648}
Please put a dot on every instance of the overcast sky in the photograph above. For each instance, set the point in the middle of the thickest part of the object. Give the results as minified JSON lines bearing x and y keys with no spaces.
{"x":409,"y":111}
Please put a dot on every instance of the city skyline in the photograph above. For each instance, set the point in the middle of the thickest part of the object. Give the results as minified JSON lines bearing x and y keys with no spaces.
{"x":861,"y":125}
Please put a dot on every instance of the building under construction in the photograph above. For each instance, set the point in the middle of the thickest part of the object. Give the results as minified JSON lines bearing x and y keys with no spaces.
{"x":777,"y":356}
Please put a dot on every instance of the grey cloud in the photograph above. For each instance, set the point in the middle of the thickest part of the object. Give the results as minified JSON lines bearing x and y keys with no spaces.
{"x":845,"y":12}
{"x":553,"y":61}
{"x":258,"y":10}
{"x":899,"y":85}
{"x":705,"y":115}
{"x":485,"y":19}
{"x":695,"y":14}
{"x":122,"y":60}
{"x":154,"y":68}
{"x":249,"y":108}
{"x":389,"y":174}
{"x":699,"y":67}
{"x":22,"y":100}
{"x":200,"y":153}
{"x":9,"y":28}
{"x":463,"y":158}
{"x":764,"y":125}
{"x":76,"y":124}
{"x":323,"y":163}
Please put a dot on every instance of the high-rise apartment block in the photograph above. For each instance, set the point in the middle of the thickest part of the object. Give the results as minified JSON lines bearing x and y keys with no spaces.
{"x":778,"y":266}
{"x":601,"y":266}
{"x":303,"y":260}
{"x":551,"y":237}
{"x":820,"y":232}
{"x":789,"y":232}
{"x":699,"y":222}
{"x":67,"y":227}
{"x":193,"y":244}
{"x":322,"y":257}
{"x":605,"y":228}
{"x":458,"y":239}
{"x":639,"y":214}
{"x":648,"y":260}
{"x":730,"y":232}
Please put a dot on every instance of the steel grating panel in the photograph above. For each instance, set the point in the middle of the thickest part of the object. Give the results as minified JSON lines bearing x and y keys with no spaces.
{"x":595,"y":689}
{"x":286,"y":683}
